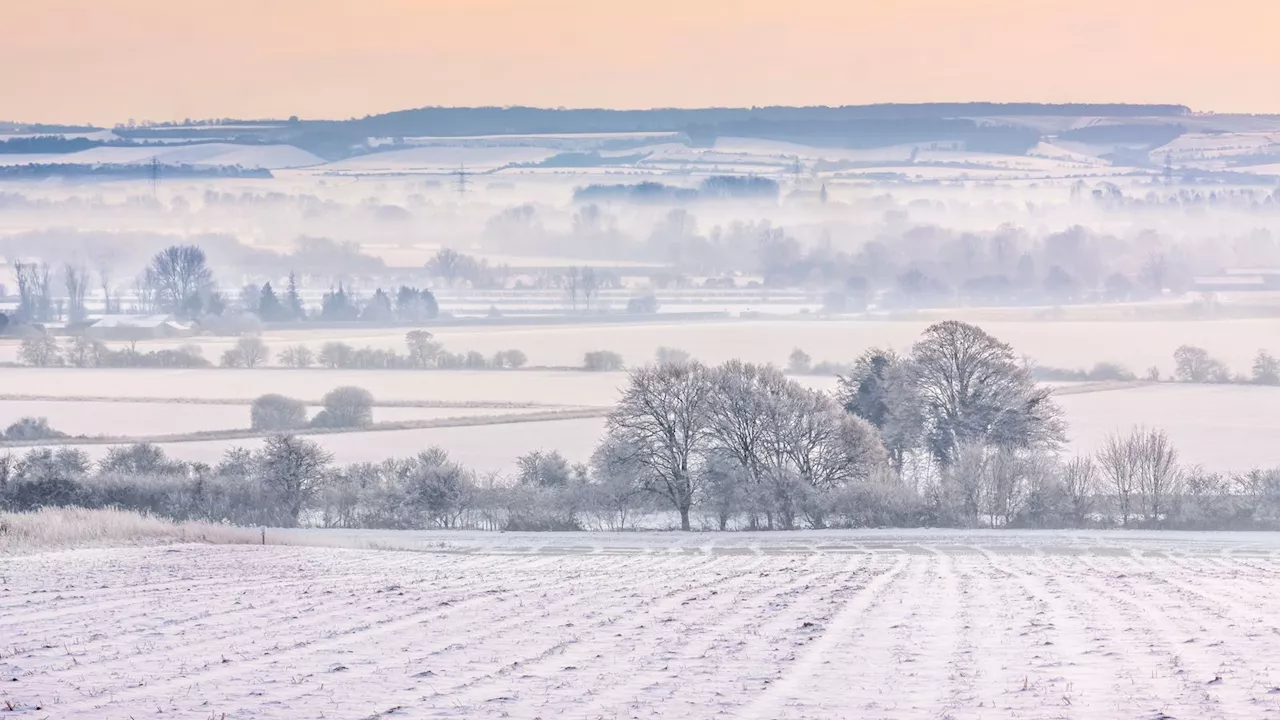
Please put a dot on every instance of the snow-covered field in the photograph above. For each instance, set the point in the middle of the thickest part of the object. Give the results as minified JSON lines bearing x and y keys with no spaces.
{"x":815,"y":625}
{"x":1224,"y":428}
{"x":1072,"y":344}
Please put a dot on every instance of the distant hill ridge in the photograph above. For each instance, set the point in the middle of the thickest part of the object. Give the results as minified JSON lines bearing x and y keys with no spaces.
{"x":1004,"y":128}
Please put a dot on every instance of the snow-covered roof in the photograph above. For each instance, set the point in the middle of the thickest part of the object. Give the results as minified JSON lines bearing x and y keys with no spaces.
{"x":132,"y":321}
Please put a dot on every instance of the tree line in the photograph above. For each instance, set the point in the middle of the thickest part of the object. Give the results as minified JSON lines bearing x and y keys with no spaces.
{"x":955,"y":433}
{"x":179,"y":281}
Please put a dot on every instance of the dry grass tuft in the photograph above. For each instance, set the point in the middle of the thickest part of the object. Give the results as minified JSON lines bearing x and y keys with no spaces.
{"x":57,"y":528}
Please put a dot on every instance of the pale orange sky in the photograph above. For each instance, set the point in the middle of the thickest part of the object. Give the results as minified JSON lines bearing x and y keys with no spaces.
{"x":106,"y":61}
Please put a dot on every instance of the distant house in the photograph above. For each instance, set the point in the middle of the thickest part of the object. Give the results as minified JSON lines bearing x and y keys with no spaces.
{"x":130,"y":327}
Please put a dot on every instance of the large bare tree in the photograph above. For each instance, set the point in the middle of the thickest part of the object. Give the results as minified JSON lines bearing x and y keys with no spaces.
{"x":76,"y":279}
{"x":35,"y":296}
{"x":974,"y":390}
{"x":179,"y":275}
{"x":661,"y":423}
{"x":1160,"y":477}
{"x":295,"y":469}
{"x":1119,"y":462}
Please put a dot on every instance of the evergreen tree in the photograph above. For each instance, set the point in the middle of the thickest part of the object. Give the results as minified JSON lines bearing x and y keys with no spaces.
{"x":337,"y":305}
{"x":378,"y":309}
{"x":292,"y":302}
{"x":269,"y":307}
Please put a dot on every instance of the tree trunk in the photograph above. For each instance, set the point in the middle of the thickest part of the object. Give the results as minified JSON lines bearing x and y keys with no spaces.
{"x":684,"y":516}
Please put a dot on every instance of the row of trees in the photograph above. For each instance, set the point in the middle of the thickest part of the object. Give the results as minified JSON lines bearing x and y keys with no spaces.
{"x":1194,"y":364}
{"x":954,"y":433}
{"x":179,"y":280}
{"x":1134,"y":480}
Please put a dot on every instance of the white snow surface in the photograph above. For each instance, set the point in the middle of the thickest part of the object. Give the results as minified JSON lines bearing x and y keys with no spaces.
{"x":271,"y":157}
{"x":988,"y":625}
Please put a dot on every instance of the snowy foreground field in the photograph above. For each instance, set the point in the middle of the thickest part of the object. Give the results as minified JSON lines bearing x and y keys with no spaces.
{"x":804,"y":625}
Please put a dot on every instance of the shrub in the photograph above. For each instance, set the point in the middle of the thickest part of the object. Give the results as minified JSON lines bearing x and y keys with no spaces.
{"x":32,"y":428}
{"x":602,"y":361}
{"x":643,"y":305}
{"x":1109,"y":371}
{"x":1266,"y":369}
{"x":296,"y":356}
{"x":1193,"y":364}
{"x":671,"y":356}
{"x":510,"y":359}
{"x":346,"y":407}
{"x":277,"y":412}
{"x":40,"y":351}
{"x":253,"y":352}
{"x":187,"y":356}
{"x":799,"y":362}
{"x":336,"y":355}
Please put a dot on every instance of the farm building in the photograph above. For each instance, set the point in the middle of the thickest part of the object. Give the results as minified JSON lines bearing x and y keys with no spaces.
{"x":130,"y":327}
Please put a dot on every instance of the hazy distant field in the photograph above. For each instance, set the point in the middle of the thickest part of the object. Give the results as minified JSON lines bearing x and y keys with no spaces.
{"x":139,"y":418}
{"x":1069,"y":344}
{"x":997,"y":626}
{"x":1225,"y":428}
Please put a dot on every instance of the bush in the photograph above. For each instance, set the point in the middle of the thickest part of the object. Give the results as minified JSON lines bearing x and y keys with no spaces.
{"x":336,"y":355}
{"x":799,"y":362}
{"x":346,"y":407}
{"x":1108,"y":371}
{"x":187,"y":356}
{"x":40,"y":351}
{"x":32,"y":428}
{"x":1266,"y":369}
{"x":509,"y":359}
{"x":277,"y":412}
{"x":643,"y":305}
{"x":602,"y":361}
{"x":296,"y":356}
{"x":671,"y":356}
{"x":1193,"y":364}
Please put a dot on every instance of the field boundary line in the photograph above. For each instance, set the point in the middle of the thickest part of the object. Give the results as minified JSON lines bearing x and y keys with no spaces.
{"x":247,"y":434}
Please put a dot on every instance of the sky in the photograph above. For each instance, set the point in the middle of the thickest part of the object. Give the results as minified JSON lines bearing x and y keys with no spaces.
{"x":78,"y":61}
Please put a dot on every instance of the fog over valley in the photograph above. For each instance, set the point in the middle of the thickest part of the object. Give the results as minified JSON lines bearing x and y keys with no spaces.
{"x":930,"y":410}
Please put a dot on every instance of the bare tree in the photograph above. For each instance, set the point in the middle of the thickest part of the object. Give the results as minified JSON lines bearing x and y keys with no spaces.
{"x":572,"y":285}
{"x":295,"y":469}
{"x":447,"y":264}
{"x":296,"y":356}
{"x":974,"y":390}
{"x":35,"y":296}
{"x":1159,"y":475}
{"x":1080,"y":485}
{"x":104,"y":280}
{"x":76,"y":279}
{"x":662,"y":422}
{"x":1007,"y":478}
{"x":617,"y":486}
{"x":277,"y":412}
{"x":738,"y":412}
{"x":180,"y":274}
{"x":1193,"y":364}
{"x":40,"y":350}
{"x":590,"y":284}
{"x":253,"y":352}
{"x":439,"y":487}
{"x":423,"y":348}
{"x":1119,"y":462}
